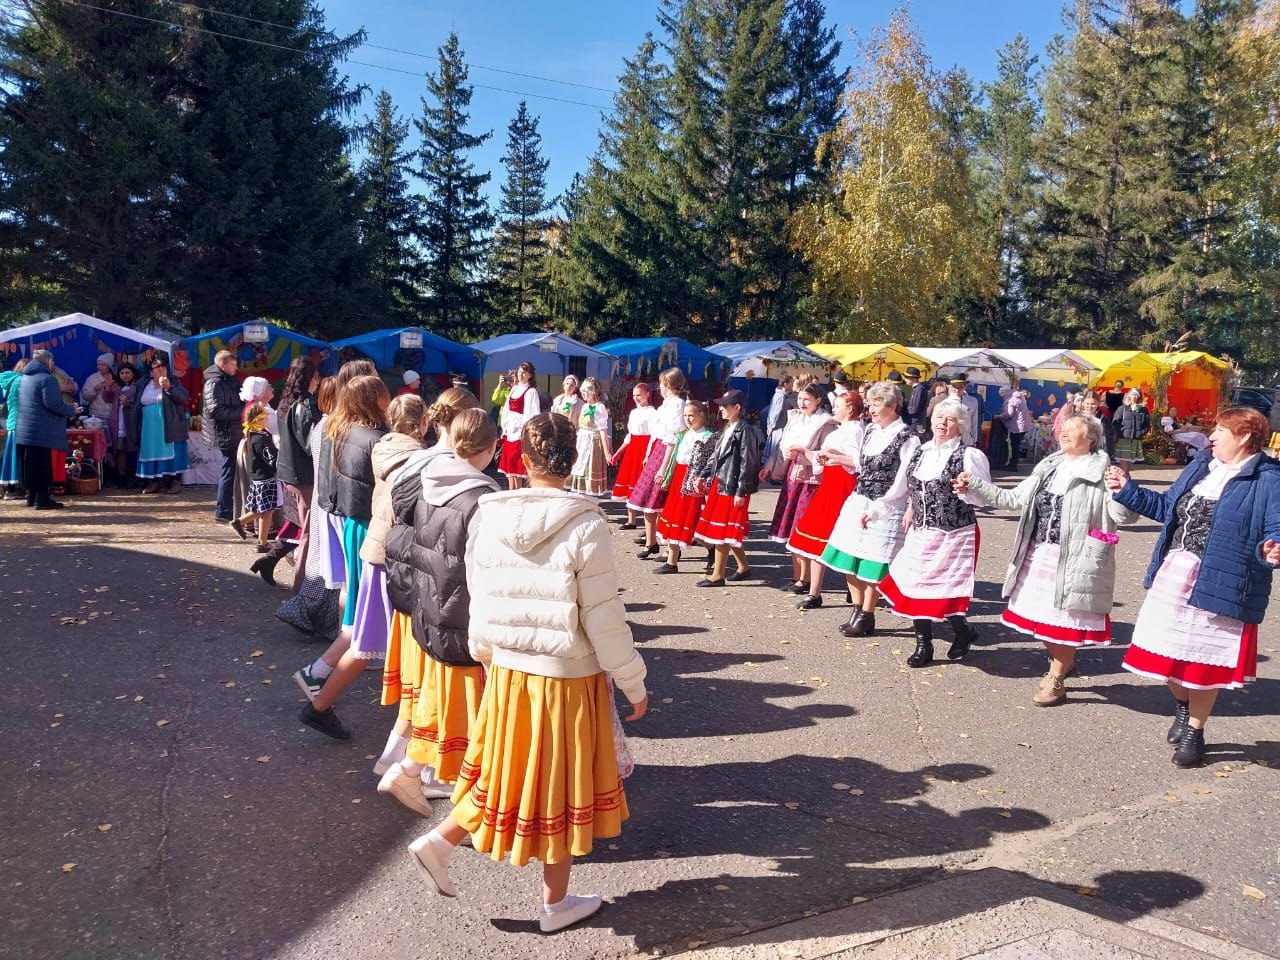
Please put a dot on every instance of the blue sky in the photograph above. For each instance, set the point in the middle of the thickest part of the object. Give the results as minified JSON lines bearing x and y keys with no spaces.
{"x":585,"y":42}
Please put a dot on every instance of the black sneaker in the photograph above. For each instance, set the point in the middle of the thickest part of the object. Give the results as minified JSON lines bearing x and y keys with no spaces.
{"x":50,"y":505}
{"x":666,"y":568}
{"x":326,"y":722}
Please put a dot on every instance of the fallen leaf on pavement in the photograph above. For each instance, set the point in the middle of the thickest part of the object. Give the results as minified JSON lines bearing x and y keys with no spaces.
{"x":265,"y":758}
{"x":1006,"y":814}
{"x":840,"y":786}
{"x":1253,"y":892}
{"x":256,"y":653}
{"x":792,"y":805}
{"x":1087,"y":891}
{"x":68,"y":867}
{"x":104,"y":827}
{"x":162,"y":723}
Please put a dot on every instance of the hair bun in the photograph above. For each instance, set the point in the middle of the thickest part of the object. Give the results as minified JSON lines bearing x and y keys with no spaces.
{"x":560,"y":460}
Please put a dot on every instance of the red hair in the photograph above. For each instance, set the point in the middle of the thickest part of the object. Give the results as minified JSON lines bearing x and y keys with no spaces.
{"x":1247,"y":423}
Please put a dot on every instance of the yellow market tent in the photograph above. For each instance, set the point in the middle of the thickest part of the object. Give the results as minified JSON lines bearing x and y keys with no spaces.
{"x":872,"y":361}
{"x":1195,"y":381}
{"x":1135,"y":367}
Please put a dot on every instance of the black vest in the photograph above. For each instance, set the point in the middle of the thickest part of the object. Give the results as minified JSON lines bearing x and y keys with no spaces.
{"x":878,"y":471}
{"x":933,"y":501}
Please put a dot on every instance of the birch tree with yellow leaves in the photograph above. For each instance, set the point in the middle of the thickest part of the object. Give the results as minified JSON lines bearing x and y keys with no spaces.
{"x":898,"y":239}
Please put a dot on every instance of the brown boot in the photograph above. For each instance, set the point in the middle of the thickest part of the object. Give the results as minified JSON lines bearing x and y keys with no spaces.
{"x":1052,"y":691}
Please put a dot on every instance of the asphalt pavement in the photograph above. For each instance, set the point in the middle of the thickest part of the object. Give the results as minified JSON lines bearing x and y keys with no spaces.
{"x":164,"y":802}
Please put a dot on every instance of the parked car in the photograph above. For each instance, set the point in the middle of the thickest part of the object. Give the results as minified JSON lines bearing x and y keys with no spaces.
{"x":1263,"y":399}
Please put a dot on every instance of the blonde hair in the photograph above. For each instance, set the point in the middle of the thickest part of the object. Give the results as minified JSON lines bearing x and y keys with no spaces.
{"x":594,"y":384}
{"x":450,"y":403}
{"x":472,"y":433}
{"x":406,"y":415}
{"x":698,"y":407}
{"x":673,"y":379}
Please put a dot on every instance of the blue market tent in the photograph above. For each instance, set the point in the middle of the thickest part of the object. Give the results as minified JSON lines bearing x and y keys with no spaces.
{"x":263,"y":349}
{"x":553,"y":356}
{"x":643,"y":358}
{"x":412,"y":348}
{"x":757,"y":365}
{"x":77,"y":340}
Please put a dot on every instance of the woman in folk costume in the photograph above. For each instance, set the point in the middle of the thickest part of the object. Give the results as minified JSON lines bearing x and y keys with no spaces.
{"x":931,"y":578}
{"x":405,"y":666}
{"x":160,"y":418}
{"x":647,"y":496}
{"x":521,"y":406}
{"x":807,"y":426}
{"x":569,"y":403}
{"x":635,"y":447}
{"x":1210,"y":576}
{"x":836,"y":463}
{"x":591,"y":468}
{"x":541,"y":777}
{"x":687,"y":485}
{"x":427,"y":573}
{"x":861,"y":553}
{"x":1061,"y":580}
{"x":735,"y":474}
{"x":98,"y":389}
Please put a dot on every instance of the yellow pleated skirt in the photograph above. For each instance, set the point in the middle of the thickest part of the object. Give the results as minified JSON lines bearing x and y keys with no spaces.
{"x":446,"y":705}
{"x":540,"y":777}
{"x":402,"y":669}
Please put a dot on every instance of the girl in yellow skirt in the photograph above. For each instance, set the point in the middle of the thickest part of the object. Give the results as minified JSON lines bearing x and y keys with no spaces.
{"x":540,"y":778}
{"x":434,"y":578}
{"x":403,"y":670}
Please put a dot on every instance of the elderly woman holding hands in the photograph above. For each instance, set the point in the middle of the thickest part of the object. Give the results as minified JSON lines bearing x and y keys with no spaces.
{"x":1210,"y":576}
{"x":931,"y":579}
{"x":1061,"y":579}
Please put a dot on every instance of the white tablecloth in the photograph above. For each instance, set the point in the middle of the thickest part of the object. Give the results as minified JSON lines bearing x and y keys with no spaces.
{"x":206,"y":462}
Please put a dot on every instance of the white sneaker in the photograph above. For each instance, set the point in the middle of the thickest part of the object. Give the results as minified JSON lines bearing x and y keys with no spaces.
{"x":572,"y":910}
{"x":430,"y":866}
{"x":404,"y":790}
{"x":434,"y":789}
{"x":394,"y":755}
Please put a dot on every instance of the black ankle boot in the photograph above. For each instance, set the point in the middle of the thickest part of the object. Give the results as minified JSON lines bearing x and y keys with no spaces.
{"x":1181,"y":714}
{"x":265,"y":567}
{"x":861,"y":624}
{"x":1190,"y":747}
{"x":965,"y":634}
{"x":922,"y":656}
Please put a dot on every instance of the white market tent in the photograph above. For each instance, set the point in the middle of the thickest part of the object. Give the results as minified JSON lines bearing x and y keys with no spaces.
{"x":770,"y":358}
{"x":980,"y":366}
{"x":1048,"y":363}
{"x":77,"y":340}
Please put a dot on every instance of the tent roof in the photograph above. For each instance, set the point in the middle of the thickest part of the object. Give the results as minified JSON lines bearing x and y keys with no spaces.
{"x":1182,"y":358}
{"x":74,"y":319}
{"x":1112,"y":364}
{"x":961,"y":356}
{"x":1052,"y":358}
{"x":520,"y":341}
{"x":227,"y":332}
{"x":782,"y":351}
{"x":459,"y":356}
{"x":848,"y":354}
{"x":632,"y":346}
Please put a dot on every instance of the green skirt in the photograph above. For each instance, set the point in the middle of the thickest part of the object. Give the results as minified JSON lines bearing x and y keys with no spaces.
{"x":1129,"y":450}
{"x":869,"y":571}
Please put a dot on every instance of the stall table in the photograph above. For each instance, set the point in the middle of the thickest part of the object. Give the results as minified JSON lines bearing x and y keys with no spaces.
{"x":94,"y":445}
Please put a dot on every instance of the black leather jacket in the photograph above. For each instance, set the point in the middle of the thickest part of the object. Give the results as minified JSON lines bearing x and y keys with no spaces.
{"x":349,"y":491}
{"x":294,"y":466}
{"x":737,"y":463}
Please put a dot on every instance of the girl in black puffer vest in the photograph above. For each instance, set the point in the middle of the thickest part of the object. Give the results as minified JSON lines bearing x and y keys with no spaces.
{"x":427,"y":552}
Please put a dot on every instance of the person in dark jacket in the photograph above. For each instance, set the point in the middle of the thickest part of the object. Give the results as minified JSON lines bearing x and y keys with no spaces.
{"x":736,"y":476}
{"x":221,"y":410}
{"x":297,"y":415}
{"x":11,"y":468}
{"x":1210,"y":575}
{"x":1131,"y":422}
{"x":41,"y":428}
{"x":427,"y":553}
{"x":915,"y":413}
{"x":160,"y":424}
{"x":346,"y":452}
{"x":263,"y":497}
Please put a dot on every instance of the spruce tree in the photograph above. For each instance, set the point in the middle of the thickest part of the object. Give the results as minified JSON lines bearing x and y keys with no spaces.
{"x":455,"y":215}
{"x":520,"y":246}
{"x":267,"y":201}
{"x":389,"y":220}
{"x":89,"y":146}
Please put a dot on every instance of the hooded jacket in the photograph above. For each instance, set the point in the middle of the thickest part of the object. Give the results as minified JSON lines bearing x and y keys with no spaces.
{"x":10,"y":383}
{"x":544,"y":591}
{"x":389,"y":454}
{"x":428,"y":551}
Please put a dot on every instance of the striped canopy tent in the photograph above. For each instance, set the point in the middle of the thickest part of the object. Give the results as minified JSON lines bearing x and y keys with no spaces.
{"x":1044,"y":372}
{"x":1136,"y":368}
{"x":873,"y":361}
{"x":1196,"y":380}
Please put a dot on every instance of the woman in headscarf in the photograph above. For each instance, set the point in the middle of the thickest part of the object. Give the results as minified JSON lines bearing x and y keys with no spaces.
{"x":161,"y":417}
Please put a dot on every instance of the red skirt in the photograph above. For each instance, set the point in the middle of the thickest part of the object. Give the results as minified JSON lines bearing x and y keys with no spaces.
{"x":1199,"y":676}
{"x":510,"y":463}
{"x":721,"y":521}
{"x":809,"y":538}
{"x":680,"y":514}
{"x":647,"y":496}
{"x":629,"y":466}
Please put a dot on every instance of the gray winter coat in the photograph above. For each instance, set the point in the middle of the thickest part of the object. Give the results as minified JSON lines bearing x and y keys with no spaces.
{"x":1087,"y":567}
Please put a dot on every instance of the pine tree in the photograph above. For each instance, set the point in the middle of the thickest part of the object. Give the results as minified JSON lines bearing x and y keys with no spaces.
{"x":455,"y":215}
{"x":389,"y":220}
{"x":895,"y":241}
{"x":520,"y":247}
{"x":267,"y":201}
{"x":84,"y":194}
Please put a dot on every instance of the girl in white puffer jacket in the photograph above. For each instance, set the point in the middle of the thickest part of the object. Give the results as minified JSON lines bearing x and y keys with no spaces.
{"x":540,"y":779}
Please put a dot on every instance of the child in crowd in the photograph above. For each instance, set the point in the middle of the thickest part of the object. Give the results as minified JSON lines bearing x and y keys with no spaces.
{"x":521,"y":405}
{"x":428,"y":575}
{"x":631,"y":454}
{"x":591,"y":468}
{"x":648,"y":496}
{"x":264,"y":492}
{"x":549,"y":665}
{"x":686,"y":486}
{"x":735,"y":477}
